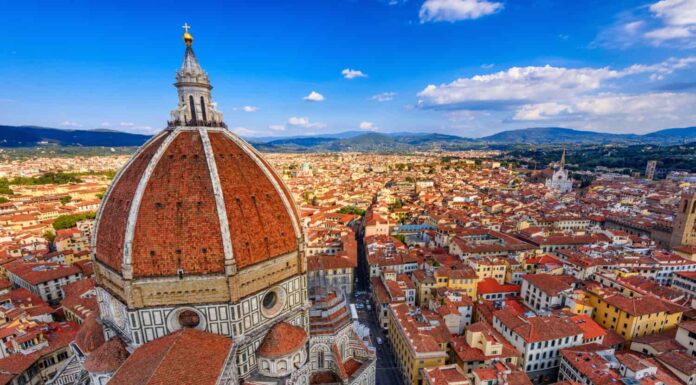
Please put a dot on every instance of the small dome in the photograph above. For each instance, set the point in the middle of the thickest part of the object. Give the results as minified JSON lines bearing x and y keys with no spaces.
{"x":90,"y":336}
{"x":282,"y":340}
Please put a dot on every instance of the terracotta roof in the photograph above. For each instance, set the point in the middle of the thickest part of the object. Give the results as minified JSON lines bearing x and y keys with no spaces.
{"x":36,"y":273}
{"x":108,"y":357}
{"x":680,"y":361}
{"x":90,"y":336}
{"x":188,"y":356}
{"x":178,"y":210}
{"x":490,"y":286}
{"x":551,"y":285}
{"x":535,"y":329}
{"x":281,"y":340}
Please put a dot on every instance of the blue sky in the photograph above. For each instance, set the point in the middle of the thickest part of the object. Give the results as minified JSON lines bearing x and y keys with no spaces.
{"x":464,"y":67}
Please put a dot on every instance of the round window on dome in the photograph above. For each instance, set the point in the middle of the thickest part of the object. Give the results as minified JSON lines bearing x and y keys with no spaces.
{"x":270,"y":300}
{"x":189,"y":319}
{"x":273,"y":302}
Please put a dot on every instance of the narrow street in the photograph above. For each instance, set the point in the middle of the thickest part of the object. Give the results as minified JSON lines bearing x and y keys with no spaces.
{"x":388,"y":372}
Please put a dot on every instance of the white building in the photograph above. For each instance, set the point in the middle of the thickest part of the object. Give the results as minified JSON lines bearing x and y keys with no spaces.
{"x":560,"y":180}
{"x":539,"y":339}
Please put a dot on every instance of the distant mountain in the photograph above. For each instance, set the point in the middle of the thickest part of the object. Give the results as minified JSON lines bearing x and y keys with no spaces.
{"x":29,"y":136}
{"x":360,"y":141}
{"x":686,"y":134}
{"x":336,"y":135}
{"x":559,"y":135}
{"x":556,"y":135}
{"x":370,"y":142}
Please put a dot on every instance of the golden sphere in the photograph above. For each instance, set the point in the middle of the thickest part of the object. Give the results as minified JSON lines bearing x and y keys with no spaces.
{"x":188,"y":38}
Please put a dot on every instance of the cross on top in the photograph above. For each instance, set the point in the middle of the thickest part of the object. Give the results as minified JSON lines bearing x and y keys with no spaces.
{"x":186,"y":27}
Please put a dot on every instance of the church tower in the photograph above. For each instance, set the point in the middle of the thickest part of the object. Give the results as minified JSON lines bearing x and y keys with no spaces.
{"x":684,"y":229}
{"x":560,"y":181}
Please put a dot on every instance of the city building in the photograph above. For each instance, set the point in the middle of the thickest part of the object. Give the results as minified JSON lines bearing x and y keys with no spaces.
{"x":684,"y":229}
{"x":417,"y":343}
{"x":560,"y":180}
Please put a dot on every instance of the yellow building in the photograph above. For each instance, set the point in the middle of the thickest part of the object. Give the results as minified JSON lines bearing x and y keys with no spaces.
{"x":464,"y":280}
{"x":489,"y":268}
{"x":416,"y":342}
{"x":424,"y":283}
{"x":72,"y":257}
{"x":578,"y":303}
{"x":633,"y":317}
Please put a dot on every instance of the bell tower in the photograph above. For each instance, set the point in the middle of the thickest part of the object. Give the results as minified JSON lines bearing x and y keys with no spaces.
{"x":684,"y":230}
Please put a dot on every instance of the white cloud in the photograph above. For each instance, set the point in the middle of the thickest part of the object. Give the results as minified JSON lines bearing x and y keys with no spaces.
{"x":453,"y":10}
{"x":487,"y":66}
{"x":633,"y":27}
{"x":678,"y":19}
{"x":676,"y":12}
{"x":106,"y":124}
{"x":244,"y":131}
{"x":70,"y":123}
{"x":662,"y":103}
{"x":531,"y":85}
{"x":542,"y":111}
{"x":352,"y":74}
{"x":367,"y":125}
{"x":144,"y":128}
{"x":668,"y":33}
{"x":277,"y":127}
{"x":250,"y":108}
{"x":304,"y":122}
{"x":514,"y":86}
{"x":295,"y":121}
{"x":383,"y":97}
{"x":665,"y":22}
{"x":583,"y":95}
{"x":126,"y":124}
{"x":314,"y":96}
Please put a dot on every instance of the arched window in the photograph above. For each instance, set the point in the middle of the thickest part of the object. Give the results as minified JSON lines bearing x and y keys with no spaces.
{"x":320,"y":359}
{"x":193,"y":109}
{"x":203,"y":109}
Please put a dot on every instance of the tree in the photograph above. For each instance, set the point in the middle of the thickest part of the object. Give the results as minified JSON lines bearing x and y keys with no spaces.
{"x":65,"y":200}
{"x":401,"y":238}
{"x":351,"y":210}
{"x":70,"y":220}
{"x":49,"y":235}
{"x":4,"y":200}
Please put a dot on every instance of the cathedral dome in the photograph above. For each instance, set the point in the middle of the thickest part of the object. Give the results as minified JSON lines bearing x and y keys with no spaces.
{"x":194,"y":200}
{"x":189,"y":200}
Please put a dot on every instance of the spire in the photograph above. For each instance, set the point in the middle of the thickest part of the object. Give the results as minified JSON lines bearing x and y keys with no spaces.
{"x":562,"y":162}
{"x":195,"y":107}
{"x":190,"y":63}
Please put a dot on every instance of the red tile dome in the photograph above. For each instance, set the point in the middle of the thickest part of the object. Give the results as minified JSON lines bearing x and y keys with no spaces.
{"x":191,"y":199}
{"x":281,"y":340}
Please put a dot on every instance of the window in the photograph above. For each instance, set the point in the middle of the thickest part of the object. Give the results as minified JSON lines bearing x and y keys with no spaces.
{"x":189,"y":319}
{"x":193,"y":108}
{"x":320,"y":359}
{"x":203,"y":109}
